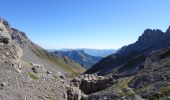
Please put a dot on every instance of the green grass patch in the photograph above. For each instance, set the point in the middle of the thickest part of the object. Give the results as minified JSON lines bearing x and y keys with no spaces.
{"x":122,"y":85}
{"x":31,"y":75}
{"x":126,"y":94}
{"x":51,"y":97}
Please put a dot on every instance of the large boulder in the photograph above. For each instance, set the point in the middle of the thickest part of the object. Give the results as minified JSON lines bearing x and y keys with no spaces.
{"x":91,"y":83}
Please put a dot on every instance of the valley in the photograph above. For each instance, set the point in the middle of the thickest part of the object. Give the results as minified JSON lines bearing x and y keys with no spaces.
{"x":79,"y":56}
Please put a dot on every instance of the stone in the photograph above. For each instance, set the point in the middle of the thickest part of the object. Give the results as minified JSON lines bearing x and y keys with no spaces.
{"x":34,"y":69}
{"x":5,"y":40}
{"x":73,"y":94}
{"x":90,"y":83}
{"x":47,"y":72}
{"x":62,"y":76}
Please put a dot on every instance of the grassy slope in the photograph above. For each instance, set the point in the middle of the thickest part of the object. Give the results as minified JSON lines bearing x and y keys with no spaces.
{"x":71,"y":68}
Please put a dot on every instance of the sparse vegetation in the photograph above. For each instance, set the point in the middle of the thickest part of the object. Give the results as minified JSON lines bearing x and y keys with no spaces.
{"x":126,"y":94}
{"x":51,"y":97}
{"x":122,"y":85}
{"x":165,"y":91}
{"x":121,"y":88}
{"x":31,"y":75}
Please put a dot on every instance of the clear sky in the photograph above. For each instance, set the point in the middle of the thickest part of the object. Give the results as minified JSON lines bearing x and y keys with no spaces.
{"x":55,"y":24}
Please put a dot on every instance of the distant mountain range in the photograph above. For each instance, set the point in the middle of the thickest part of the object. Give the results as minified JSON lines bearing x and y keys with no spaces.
{"x":78,"y":56}
{"x":92,"y":52}
{"x":130,"y":58}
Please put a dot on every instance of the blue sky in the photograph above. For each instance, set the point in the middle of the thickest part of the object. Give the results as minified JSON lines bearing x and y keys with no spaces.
{"x":99,"y":24}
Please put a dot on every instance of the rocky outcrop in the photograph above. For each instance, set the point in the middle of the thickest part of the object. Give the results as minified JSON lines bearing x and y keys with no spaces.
{"x":20,"y":37}
{"x":83,"y":87}
{"x":91,"y":83}
{"x":74,"y":93}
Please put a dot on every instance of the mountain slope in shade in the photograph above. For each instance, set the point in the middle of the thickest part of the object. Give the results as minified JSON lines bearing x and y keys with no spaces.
{"x":78,"y":56}
{"x":129,"y":58}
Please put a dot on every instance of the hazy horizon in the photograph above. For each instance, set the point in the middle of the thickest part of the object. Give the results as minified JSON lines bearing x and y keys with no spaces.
{"x":94,"y":24}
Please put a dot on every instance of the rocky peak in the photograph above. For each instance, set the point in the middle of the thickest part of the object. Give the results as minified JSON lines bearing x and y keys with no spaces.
{"x":149,"y":34}
{"x":145,"y":41}
{"x":4,"y":32}
{"x":20,"y":33}
{"x":4,"y":22}
{"x":168,"y":31}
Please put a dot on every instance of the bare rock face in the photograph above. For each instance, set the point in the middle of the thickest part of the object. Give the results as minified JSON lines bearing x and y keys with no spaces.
{"x":74,"y":93}
{"x":91,"y":83}
{"x":19,"y":36}
{"x":82,"y":87}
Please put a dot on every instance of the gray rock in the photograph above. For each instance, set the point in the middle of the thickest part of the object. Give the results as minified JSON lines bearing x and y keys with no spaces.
{"x":90,"y":83}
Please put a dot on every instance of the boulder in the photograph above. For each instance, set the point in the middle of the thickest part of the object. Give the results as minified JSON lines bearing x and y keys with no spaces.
{"x":90,"y":83}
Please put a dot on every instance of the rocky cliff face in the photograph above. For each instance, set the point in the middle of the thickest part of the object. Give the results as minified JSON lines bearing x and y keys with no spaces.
{"x":130,"y":58}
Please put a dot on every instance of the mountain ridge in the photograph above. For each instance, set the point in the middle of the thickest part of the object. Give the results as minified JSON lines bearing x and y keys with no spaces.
{"x":92,"y":52}
{"x":149,"y":41}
